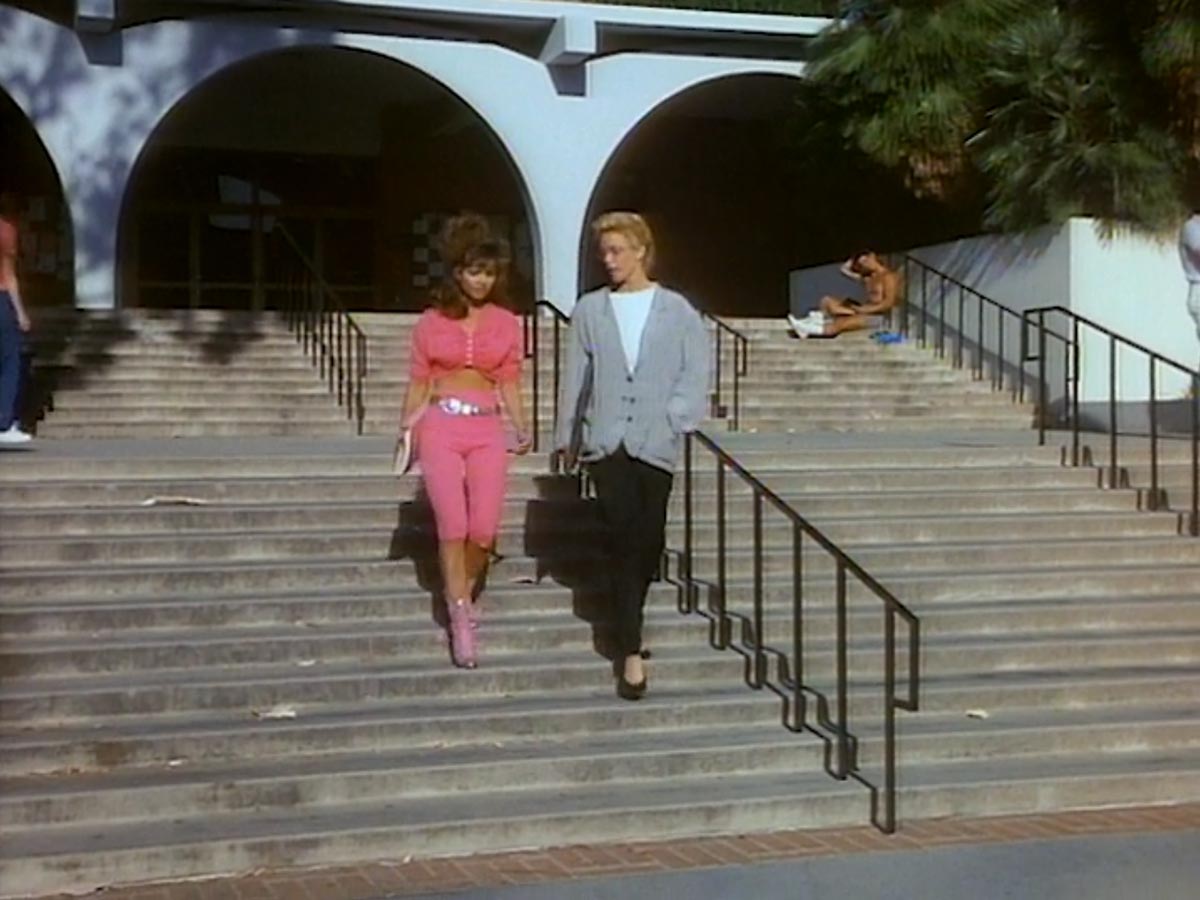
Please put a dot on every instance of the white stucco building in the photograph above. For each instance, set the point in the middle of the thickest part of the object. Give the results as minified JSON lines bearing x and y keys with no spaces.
{"x":383,"y":113}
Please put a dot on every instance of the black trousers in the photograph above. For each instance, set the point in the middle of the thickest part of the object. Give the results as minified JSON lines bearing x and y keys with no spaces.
{"x":632,"y":496}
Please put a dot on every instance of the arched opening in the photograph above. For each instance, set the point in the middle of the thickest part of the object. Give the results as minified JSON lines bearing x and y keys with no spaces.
{"x":28,"y":178}
{"x":712,"y":171}
{"x":345,"y":158}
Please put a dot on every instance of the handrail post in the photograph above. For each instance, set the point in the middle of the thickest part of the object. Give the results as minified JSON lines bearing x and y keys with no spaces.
{"x":716,"y":395}
{"x":998,"y":381}
{"x":889,"y":720}
{"x":739,"y":356}
{"x":799,"y":710}
{"x":1076,"y":370}
{"x":1043,"y":388}
{"x":1153,"y":504}
{"x":1112,"y":411}
{"x":958,"y":342}
{"x":842,"y":653}
{"x":941,"y":344}
{"x":760,"y":657}
{"x":536,"y":417}
{"x":723,"y":636}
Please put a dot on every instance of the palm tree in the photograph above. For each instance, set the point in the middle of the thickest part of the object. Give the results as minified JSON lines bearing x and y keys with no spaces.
{"x":907,"y":77}
{"x":1071,"y":129}
{"x":1076,"y":107}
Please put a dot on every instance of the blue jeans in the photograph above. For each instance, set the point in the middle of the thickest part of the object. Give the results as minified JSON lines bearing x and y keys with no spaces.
{"x":10,"y":362}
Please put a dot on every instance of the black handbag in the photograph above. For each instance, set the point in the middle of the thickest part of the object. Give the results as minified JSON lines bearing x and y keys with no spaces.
{"x":574,"y":448}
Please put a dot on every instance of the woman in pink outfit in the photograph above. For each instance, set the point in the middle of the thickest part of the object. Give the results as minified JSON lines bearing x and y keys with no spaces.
{"x":466,"y":371}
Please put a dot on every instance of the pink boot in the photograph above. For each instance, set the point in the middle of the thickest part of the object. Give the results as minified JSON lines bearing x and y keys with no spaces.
{"x":462,"y":636}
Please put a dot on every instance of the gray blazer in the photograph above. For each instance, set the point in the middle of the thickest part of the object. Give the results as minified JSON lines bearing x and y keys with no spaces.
{"x":651,"y":408}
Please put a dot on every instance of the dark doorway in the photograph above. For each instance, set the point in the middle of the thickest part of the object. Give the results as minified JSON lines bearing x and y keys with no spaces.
{"x":46,"y":261}
{"x":713,"y":172}
{"x":337,"y":159}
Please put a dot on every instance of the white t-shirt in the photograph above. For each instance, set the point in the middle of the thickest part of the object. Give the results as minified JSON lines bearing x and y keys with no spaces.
{"x":632,"y":310}
{"x":1189,"y":248}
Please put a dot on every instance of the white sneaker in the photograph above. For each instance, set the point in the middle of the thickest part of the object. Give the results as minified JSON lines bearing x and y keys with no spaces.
{"x":805,"y":328}
{"x":14,"y":435}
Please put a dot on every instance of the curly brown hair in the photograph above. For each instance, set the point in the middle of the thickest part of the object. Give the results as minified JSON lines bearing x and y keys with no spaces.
{"x":467,"y":241}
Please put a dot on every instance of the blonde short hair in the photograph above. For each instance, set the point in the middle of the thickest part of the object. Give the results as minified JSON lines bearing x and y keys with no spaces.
{"x":630,"y":224}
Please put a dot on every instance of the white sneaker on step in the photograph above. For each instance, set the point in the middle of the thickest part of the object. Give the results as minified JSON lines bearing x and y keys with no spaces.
{"x":14,"y":435}
{"x":805,"y":328}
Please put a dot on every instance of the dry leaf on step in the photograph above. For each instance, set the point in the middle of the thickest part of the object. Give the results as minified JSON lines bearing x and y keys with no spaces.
{"x":278,"y":711}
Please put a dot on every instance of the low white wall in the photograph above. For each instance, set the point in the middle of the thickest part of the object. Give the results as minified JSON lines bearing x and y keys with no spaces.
{"x":1131,"y":284}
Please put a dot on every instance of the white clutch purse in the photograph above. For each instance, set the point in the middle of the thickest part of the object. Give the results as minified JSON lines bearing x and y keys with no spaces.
{"x":403,"y":456}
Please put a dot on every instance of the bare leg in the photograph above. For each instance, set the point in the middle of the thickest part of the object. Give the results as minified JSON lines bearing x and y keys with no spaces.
{"x":476,"y":566}
{"x":847,"y":323}
{"x":635,"y":669}
{"x":454,"y":569}
{"x":833,"y":307}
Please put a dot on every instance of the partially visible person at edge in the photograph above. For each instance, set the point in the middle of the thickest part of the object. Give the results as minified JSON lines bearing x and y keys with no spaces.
{"x":648,"y":352}
{"x":881,"y":289}
{"x":14,"y":322}
{"x":1189,"y":255}
{"x":465,"y":374}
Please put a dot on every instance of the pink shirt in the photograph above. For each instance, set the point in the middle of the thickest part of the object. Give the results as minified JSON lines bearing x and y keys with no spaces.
{"x":441,"y":345}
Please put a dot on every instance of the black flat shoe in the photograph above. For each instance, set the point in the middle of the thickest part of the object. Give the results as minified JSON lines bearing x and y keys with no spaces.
{"x":628,"y":691}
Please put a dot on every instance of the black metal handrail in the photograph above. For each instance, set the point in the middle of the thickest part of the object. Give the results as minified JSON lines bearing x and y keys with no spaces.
{"x":741,"y":366}
{"x":792,"y":670}
{"x":932,"y":292}
{"x":741,"y":356}
{"x":324,"y":328}
{"x":992,"y":358}
{"x":1080,"y":327}
{"x":533,"y":353}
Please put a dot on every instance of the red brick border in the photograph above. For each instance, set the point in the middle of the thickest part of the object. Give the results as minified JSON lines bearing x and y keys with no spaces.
{"x":374,"y":880}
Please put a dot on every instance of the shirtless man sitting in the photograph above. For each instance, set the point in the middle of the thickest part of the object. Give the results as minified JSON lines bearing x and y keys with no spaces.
{"x":881,"y":287}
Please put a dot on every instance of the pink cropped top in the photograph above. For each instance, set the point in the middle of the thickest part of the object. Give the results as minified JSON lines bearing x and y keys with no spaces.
{"x":441,"y":345}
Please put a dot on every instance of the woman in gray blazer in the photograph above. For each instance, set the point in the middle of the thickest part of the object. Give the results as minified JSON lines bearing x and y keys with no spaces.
{"x":643,"y":349}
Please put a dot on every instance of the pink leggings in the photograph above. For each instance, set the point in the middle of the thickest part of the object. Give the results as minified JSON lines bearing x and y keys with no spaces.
{"x":464,"y":462}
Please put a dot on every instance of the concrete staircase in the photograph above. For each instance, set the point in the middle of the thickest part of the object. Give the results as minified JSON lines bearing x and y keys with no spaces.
{"x":852,"y":383}
{"x":220,"y":655}
{"x":178,"y":373}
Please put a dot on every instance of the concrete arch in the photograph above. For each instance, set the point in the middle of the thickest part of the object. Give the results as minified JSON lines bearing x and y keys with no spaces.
{"x":390,"y":59}
{"x":387,"y":56}
{"x":732,"y":117}
{"x":716,"y":72}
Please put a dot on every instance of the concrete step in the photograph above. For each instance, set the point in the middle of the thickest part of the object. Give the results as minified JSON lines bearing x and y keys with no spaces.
{"x":150,"y":740}
{"x":408,"y":630}
{"x":549,"y":543}
{"x":334,"y":425}
{"x":249,"y":685}
{"x":364,"y":561}
{"x":881,"y":421}
{"x":302,"y":785}
{"x":473,"y":823}
{"x":862,"y":528}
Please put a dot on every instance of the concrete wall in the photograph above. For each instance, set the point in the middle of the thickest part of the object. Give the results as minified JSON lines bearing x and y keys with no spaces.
{"x":1130,"y":284}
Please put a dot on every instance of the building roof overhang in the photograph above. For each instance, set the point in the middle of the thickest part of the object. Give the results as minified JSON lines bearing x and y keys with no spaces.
{"x":558,"y":33}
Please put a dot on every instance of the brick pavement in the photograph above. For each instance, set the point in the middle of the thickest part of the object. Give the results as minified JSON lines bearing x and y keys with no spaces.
{"x":371,"y":881}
